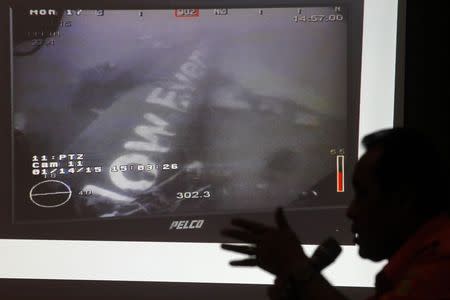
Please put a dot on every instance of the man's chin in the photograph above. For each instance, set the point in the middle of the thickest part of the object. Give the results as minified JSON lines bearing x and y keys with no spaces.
{"x":362,"y":252}
{"x":368,"y":255}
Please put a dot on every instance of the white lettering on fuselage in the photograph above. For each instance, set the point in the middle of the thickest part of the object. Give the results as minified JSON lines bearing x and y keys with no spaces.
{"x":174,"y":98}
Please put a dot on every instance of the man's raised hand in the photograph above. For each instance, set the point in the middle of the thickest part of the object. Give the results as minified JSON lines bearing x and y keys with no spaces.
{"x":274,"y":249}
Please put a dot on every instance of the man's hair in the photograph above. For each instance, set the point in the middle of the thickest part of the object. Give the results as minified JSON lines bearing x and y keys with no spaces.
{"x":410,"y":160}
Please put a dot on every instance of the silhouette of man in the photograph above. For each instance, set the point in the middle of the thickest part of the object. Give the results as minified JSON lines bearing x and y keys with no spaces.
{"x":400,"y":212}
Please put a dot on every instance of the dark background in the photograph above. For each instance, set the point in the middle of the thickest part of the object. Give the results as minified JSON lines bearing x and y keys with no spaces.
{"x":426,"y":93}
{"x":426,"y":74}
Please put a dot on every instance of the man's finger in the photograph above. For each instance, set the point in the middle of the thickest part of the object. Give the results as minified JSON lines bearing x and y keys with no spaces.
{"x":243,"y":236}
{"x":249,"y":250}
{"x":249,"y":262}
{"x":281,"y":220}
{"x":250,"y":225}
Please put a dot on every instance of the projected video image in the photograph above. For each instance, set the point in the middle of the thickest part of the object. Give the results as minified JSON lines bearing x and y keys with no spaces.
{"x":129,"y":113}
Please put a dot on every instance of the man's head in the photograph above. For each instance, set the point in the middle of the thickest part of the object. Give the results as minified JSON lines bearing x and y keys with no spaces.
{"x":399,"y":184}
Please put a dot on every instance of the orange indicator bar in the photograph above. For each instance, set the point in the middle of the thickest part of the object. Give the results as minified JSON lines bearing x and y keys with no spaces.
{"x":340,"y":173}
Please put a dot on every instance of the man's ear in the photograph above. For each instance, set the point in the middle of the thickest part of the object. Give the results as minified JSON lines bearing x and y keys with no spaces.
{"x":406,"y":197}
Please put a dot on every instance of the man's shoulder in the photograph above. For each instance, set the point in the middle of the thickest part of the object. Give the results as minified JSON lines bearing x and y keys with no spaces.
{"x":422,"y":267}
{"x":429,"y":271}
{"x":434,"y":242}
{"x":438,"y":241}
{"x":427,"y":277}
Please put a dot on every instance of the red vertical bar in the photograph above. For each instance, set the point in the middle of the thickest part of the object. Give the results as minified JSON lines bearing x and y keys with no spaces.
{"x":340,"y":173}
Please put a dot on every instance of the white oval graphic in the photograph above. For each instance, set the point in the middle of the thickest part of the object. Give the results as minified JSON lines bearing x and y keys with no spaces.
{"x":57,"y":195}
